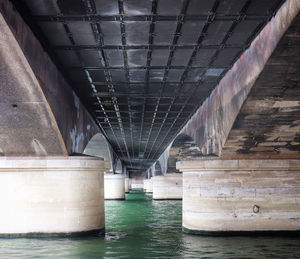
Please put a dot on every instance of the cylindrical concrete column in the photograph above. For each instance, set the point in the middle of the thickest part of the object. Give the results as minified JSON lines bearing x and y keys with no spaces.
{"x":130,"y":184}
{"x":55,"y":195}
{"x":149,"y":186}
{"x":145,"y":184}
{"x":168,"y":187}
{"x":126,"y":185}
{"x":114,"y":187}
{"x":236,"y":196}
{"x":137,"y":184}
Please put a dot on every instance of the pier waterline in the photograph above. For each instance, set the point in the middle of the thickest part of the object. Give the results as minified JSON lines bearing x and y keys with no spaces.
{"x":140,"y":227}
{"x":192,"y":105}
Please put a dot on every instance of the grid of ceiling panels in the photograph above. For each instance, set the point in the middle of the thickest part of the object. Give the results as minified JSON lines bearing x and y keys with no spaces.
{"x":142,"y":67}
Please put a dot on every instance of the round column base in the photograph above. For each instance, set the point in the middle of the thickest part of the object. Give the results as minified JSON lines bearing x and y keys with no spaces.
{"x":59,"y":196}
{"x":168,"y":187}
{"x":114,"y":187}
{"x":241,"y":197}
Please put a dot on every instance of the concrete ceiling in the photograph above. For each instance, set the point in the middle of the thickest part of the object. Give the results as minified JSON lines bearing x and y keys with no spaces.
{"x":143,"y":67}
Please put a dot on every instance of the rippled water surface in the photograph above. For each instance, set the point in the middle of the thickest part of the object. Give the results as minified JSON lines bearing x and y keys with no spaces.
{"x":142,"y":228}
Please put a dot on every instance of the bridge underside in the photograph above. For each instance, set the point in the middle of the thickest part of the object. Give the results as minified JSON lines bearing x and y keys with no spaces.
{"x":142,"y":68}
{"x":254,"y":184}
{"x":268,"y":125}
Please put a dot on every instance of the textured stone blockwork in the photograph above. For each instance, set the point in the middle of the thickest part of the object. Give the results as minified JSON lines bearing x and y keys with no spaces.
{"x":114,"y":187}
{"x":241,"y":195}
{"x":57,"y":195}
{"x":167,"y":187}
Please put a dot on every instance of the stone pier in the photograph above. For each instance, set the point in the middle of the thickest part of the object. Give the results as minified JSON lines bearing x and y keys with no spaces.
{"x":167,"y":187}
{"x":51,"y":196}
{"x":114,"y":187}
{"x":137,"y":184}
{"x":145,"y":183}
{"x":127,"y":185}
{"x":234,"y":196}
{"x":149,"y":186}
{"x":130,"y":184}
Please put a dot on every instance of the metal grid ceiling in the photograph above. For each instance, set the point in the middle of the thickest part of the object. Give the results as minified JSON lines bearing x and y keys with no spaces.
{"x":142,"y":67}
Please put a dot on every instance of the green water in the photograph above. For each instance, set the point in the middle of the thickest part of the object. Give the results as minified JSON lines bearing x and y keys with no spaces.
{"x":142,"y":228}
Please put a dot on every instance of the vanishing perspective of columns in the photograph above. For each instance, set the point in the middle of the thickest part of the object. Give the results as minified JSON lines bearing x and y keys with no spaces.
{"x":186,"y":100}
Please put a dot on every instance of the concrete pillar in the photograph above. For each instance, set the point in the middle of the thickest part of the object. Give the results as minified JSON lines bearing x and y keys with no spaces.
{"x":129,"y":183}
{"x":168,"y":187}
{"x":126,"y":185}
{"x":53,"y":196}
{"x":114,"y":187}
{"x":236,"y":196}
{"x":145,"y":184}
{"x":149,"y":186}
{"x":137,"y":184}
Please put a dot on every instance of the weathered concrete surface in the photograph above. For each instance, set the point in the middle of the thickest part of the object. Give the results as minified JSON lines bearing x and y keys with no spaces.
{"x":27,"y":125}
{"x":268,"y":125}
{"x":114,"y":187}
{"x":220,"y":195}
{"x":51,"y":195}
{"x":41,"y":115}
{"x":167,"y":187}
{"x":183,"y":147}
{"x":210,"y":125}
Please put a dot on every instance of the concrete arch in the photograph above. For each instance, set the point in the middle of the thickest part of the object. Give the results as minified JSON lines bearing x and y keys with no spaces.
{"x":118,"y":167}
{"x":182,"y":147}
{"x":124,"y":171}
{"x":41,"y":114}
{"x":158,"y":169}
{"x":99,"y":147}
{"x":149,"y":172}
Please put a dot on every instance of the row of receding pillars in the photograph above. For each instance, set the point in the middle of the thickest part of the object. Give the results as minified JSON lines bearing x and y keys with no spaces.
{"x":163,"y":187}
{"x":65,"y":195}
